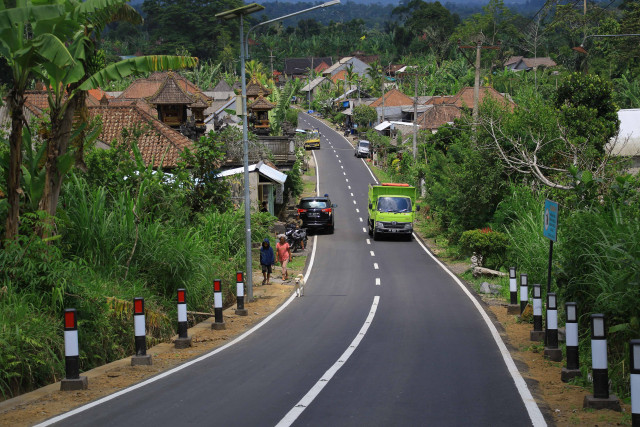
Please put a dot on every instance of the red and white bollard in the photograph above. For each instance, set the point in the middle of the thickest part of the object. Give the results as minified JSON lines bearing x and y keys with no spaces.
{"x":140,"y":331}
{"x":240,"y":310}
{"x":72,"y":380}
{"x":183,"y":340}
{"x":218,"y":324}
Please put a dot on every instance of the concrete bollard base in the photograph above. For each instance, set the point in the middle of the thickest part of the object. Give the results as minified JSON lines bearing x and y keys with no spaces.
{"x":611,"y":402}
{"x":242,"y":312}
{"x":76,"y":384}
{"x":218,"y":326}
{"x":536,"y":335}
{"x":513,"y":309}
{"x":141,"y":360}
{"x":567,"y":375}
{"x":554,"y":354}
{"x":182,"y":342}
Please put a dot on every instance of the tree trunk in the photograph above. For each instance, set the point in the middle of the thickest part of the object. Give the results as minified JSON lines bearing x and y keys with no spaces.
{"x":16,"y":104}
{"x":57,"y":144}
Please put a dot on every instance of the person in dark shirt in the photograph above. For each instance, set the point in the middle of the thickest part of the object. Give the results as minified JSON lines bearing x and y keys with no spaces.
{"x":267,"y":259}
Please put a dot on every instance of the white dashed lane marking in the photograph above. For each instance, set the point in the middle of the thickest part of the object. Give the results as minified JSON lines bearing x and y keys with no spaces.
{"x":368,"y":242}
{"x":351,"y":194}
{"x":375,"y":265}
{"x":357,"y":210}
{"x":354,"y":202}
{"x":349,"y":187}
{"x":372,"y":253}
{"x":364,"y":230}
{"x":377,"y":281}
{"x":361,"y":220}
{"x":347,"y":180}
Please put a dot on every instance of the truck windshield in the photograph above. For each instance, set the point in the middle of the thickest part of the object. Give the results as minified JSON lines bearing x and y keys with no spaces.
{"x":394,"y":204}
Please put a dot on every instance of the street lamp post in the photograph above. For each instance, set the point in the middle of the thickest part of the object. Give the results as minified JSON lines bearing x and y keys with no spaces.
{"x":241,"y":12}
{"x":230,"y":14}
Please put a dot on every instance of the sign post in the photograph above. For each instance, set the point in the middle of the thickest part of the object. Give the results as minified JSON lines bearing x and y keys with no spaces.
{"x":550,"y":231}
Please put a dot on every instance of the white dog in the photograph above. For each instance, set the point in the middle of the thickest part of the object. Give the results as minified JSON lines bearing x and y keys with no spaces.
{"x":299,"y":285}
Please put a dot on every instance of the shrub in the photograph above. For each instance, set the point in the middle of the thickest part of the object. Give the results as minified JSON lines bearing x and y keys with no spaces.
{"x":492,"y":245}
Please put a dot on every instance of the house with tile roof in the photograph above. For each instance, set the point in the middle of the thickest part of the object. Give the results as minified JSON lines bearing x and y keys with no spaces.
{"x":393,"y":98}
{"x":464,"y":98}
{"x":438,"y":115}
{"x":159,"y":145}
{"x":396,"y":107}
{"x":520,"y":63}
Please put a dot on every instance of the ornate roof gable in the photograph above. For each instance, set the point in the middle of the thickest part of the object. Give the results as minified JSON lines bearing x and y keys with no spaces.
{"x":170,"y":92}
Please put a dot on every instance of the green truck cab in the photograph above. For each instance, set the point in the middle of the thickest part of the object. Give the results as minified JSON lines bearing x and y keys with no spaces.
{"x":392,"y":209}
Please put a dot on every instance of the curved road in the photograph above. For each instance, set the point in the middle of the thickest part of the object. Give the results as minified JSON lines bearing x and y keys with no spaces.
{"x":383,"y":336}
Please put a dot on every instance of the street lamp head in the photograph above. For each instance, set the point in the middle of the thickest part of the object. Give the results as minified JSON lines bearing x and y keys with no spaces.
{"x":240,"y":11}
{"x":330,"y":3}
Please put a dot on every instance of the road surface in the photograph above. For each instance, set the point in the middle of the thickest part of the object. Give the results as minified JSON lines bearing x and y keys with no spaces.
{"x":383,"y":336}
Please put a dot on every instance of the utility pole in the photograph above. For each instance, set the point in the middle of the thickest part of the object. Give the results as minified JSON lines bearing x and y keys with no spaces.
{"x":382,"y":79}
{"x":415,"y":117}
{"x":476,"y":88}
{"x":271,"y":59}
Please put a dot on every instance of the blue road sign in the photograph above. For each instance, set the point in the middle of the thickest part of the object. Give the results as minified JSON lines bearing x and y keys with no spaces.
{"x":550,"y":220}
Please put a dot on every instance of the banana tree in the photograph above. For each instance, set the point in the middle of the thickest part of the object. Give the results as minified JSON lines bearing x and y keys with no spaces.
{"x":24,"y":50}
{"x":60,"y":48}
{"x":68,"y":85}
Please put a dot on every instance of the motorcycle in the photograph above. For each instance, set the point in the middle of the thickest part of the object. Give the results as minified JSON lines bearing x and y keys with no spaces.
{"x":295,"y":237}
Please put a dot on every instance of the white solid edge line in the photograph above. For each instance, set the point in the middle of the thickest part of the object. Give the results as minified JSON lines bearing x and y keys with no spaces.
{"x":532,"y":408}
{"x":201,"y":358}
{"x":369,"y":169}
{"x":308,"y":398}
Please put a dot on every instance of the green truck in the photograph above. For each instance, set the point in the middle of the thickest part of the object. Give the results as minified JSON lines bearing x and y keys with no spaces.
{"x":392,"y":209}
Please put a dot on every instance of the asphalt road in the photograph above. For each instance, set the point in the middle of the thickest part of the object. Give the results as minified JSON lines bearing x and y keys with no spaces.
{"x":383,"y":336}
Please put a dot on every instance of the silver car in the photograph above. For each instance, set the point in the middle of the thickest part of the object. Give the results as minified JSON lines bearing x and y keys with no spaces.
{"x":362,"y":149}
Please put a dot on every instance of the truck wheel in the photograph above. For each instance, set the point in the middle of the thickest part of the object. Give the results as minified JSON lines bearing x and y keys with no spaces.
{"x":370,"y":228}
{"x":376,"y":235}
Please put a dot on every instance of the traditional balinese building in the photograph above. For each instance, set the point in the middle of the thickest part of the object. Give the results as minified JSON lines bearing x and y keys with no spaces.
{"x":258,"y":112}
{"x":172,"y":102}
{"x":258,"y":106}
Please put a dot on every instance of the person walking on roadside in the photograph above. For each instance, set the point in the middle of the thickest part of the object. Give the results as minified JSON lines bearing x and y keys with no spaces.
{"x":267,"y":259}
{"x":283,"y":254}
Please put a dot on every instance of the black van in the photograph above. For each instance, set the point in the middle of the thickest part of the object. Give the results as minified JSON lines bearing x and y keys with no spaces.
{"x":317,"y":213}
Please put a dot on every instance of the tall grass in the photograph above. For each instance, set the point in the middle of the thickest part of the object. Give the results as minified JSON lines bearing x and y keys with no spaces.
{"x":113,"y":248}
{"x":521,"y":216}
